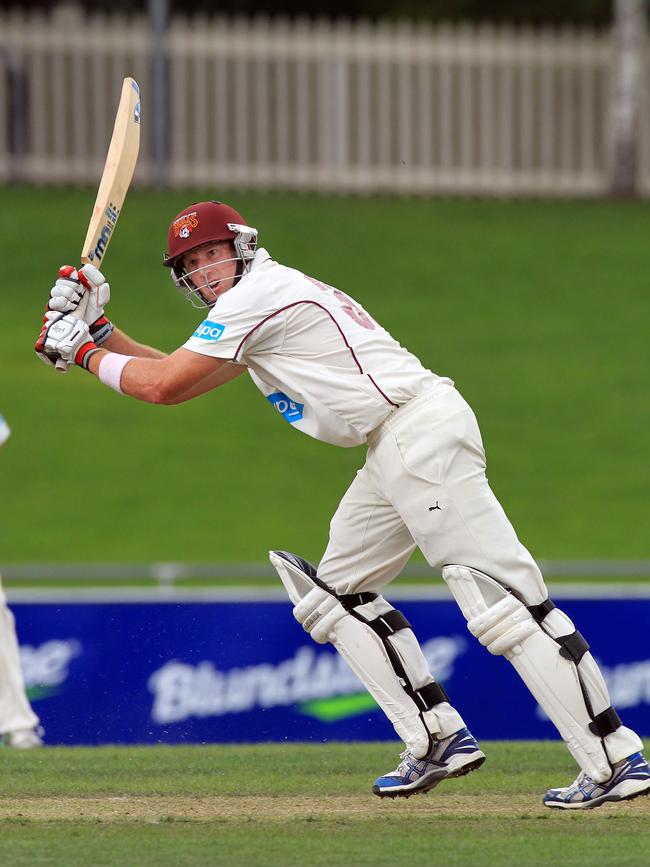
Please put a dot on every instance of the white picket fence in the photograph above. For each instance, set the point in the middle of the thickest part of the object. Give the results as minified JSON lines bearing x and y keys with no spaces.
{"x":317,"y":105}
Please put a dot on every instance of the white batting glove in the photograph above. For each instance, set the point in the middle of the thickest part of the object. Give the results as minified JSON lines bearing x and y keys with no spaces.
{"x":66,"y":293}
{"x":67,"y":338}
{"x":71,"y":286}
{"x":98,"y":290}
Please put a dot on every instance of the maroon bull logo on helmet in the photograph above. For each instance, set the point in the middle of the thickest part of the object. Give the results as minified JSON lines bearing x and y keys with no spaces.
{"x":184,"y":225}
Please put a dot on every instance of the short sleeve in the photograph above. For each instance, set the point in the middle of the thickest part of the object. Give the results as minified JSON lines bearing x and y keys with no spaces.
{"x":237,"y":321}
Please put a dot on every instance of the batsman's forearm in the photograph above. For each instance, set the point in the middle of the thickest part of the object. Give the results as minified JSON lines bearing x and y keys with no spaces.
{"x":143,"y":378}
{"x":125,"y":345}
{"x":168,"y":380}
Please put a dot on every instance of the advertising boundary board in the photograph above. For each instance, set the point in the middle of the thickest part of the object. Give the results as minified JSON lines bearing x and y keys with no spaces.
{"x":234,"y":666}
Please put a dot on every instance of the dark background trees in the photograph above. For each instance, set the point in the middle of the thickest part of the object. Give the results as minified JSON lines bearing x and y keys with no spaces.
{"x":597,"y":12}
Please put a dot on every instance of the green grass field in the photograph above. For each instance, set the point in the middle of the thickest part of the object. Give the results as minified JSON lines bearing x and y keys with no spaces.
{"x":538,"y":310}
{"x":298,"y":805}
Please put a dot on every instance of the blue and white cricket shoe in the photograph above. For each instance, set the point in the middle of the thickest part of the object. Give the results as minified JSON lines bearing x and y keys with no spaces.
{"x":453,"y":756}
{"x":630,"y":779}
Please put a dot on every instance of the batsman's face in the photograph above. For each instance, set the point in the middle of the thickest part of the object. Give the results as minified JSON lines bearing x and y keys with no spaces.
{"x":212,"y":268}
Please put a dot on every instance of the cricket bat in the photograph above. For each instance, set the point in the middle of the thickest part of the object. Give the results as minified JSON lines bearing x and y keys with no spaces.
{"x":118,"y":171}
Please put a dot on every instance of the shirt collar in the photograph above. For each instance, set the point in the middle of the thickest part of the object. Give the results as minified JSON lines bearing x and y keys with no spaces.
{"x":261,"y":256}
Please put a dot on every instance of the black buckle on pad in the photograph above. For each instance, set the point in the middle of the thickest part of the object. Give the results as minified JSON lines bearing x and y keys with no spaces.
{"x":573,"y":646}
{"x":540,"y":611}
{"x":605,"y":723}
{"x":387,"y":624}
{"x":430,"y":695}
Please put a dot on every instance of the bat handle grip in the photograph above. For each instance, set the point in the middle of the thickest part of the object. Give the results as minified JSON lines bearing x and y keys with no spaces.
{"x":79,"y":312}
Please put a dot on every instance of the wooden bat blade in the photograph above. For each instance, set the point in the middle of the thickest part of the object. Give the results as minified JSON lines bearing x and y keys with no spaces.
{"x":118,"y":171}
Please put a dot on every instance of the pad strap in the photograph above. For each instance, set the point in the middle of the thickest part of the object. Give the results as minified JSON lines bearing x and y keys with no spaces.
{"x":429,"y":695}
{"x":540,"y":611}
{"x":573,"y":646}
{"x":352,"y":600}
{"x":389,"y":624}
{"x":605,"y":723}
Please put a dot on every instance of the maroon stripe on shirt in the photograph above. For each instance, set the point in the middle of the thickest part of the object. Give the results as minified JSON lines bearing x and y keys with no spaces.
{"x":340,"y":330}
{"x":380,"y":391}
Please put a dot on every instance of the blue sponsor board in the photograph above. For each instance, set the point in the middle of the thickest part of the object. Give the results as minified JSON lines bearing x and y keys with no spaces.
{"x":202,"y":672}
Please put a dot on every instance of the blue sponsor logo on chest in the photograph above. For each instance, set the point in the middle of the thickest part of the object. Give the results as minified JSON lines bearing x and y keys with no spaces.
{"x":288,"y":409}
{"x":209,"y":330}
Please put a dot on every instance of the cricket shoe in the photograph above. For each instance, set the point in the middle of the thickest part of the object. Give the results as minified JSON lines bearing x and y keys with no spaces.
{"x":630,"y":779}
{"x":24,"y":739}
{"x":453,"y":756}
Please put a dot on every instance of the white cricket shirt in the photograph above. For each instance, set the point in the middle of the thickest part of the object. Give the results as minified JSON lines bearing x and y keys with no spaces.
{"x":325,"y":365}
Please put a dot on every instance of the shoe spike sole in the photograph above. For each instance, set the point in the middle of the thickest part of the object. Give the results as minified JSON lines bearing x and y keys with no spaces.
{"x":461,"y":772}
{"x":599,"y":803}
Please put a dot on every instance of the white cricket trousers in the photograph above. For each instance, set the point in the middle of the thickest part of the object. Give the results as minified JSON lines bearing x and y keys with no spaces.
{"x":424,"y":484}
{"x":15,"y":711}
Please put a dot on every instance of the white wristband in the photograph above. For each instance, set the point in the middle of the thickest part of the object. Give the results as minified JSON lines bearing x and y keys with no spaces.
{"x":110,"y":369}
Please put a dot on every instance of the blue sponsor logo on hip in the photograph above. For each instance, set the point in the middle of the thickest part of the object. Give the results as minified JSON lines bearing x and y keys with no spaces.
{"x":209,"y":330}
{"x":288,"y":409}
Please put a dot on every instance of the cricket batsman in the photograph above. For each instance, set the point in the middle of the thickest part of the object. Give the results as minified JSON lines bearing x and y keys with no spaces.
{"x":335,"y":374}
{"x":19,"y":725}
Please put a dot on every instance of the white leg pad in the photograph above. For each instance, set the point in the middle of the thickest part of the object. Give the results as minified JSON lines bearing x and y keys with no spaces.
{"x":505,"y":626}
{"x":326,"y":620}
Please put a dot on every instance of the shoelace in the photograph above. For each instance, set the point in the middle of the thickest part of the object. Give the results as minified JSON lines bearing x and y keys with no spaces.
{"x":583,"y":783}
{"x":403,"y":765}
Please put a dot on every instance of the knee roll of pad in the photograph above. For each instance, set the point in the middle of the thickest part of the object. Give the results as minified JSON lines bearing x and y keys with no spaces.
{"x":503,"y":626}
{"x":319,"y":612}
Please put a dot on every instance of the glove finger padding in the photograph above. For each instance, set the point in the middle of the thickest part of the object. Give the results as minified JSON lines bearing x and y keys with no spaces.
{"x":73,"y":285}
{"x":65,"y":295}
{"x":91,"y":276}
{"x":66,"y":292}
{"x":96,"y":283}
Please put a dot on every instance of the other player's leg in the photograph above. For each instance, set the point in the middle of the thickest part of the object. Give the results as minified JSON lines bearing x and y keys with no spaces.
{"x":18,"y":722}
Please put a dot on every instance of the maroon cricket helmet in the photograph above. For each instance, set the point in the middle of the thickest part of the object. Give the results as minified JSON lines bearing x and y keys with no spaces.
{"x":201,"y":223}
